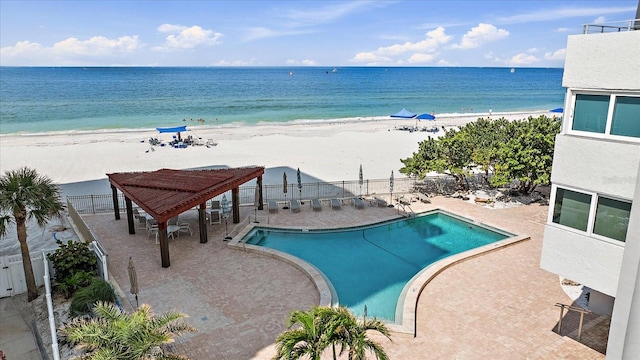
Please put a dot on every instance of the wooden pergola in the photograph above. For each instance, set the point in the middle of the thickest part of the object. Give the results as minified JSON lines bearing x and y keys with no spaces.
{"x":166,"y":193}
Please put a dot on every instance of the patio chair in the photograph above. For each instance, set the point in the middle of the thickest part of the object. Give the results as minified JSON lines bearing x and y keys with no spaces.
{"x":336,"y":203}
{"x":214,"y":209}
{"x":173,"y":221}
{"x":316,"y":205}
{"x":184,"y":227}
{"x":273,"y":206}
{"x":380,"y":202}
{"x":152,"y":227}
{"x":358,"y":203}
{"x":294,"y":205}
{"x":423,"y":198}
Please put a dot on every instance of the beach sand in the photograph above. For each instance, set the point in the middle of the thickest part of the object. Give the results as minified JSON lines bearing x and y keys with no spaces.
{"x":323,"y":150}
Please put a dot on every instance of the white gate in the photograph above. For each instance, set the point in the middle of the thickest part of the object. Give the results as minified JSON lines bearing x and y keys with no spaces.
{"x":12,"y":280}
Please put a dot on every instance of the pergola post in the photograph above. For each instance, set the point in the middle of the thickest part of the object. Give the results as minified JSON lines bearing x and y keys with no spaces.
{"x":116,"y":206}
{"x":235,"y":204}
{"x":260,"y":200}
{"x":132,"y":226}
{"x":202,"y":223}
{"x":164,"y":244}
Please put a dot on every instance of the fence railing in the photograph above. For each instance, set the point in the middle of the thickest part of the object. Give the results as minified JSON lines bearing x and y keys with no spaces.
{"x":617,"y":26}
{"x":438,"y":184}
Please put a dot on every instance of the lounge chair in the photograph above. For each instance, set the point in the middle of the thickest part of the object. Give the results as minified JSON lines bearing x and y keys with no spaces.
{"x":316,"y":205}
{"x":336,"y":203}
{"x":294,"y":205}
{"x":184,"y":227}
{"x":380,"y":202}
{"x":423,"y":198}
{"x":273,"y":206}
{"x":358,"y":203}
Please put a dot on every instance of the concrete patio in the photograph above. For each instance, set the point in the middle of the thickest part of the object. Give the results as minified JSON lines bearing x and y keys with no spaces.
{"x":497,"y":305}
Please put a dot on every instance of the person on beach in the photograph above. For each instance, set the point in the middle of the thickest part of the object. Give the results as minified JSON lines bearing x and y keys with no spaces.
{"x":490,"y":111}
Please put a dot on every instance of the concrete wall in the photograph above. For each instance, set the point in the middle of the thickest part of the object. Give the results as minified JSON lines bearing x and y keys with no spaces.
{"x":602,"y":166}
{"x":625,"y":321}
{"x":589,"y":261}
{"x":594,"y":61}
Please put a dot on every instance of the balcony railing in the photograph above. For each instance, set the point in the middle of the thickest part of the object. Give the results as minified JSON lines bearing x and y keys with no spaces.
{"x":616,"y":26}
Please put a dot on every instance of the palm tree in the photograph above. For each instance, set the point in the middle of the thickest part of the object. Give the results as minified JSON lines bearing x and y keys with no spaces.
{"x":322,"y":327}
{"x":308,"y":339}
{"x":25,"y":195}
{"x":112,"y":334}
{"x":351,"y":334}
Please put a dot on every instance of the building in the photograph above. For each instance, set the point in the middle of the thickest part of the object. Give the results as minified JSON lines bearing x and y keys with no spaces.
{"x":592,"y":234}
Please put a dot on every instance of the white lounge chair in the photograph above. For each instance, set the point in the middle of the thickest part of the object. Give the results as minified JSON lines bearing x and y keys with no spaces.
{"x":336,"y":203}
{"x":316,"y":205}
{"x":184,"y":227}
{"x":380,"y":202}
{"x":358,"y":203}
{"x":273,"y":206}
{"x":294,"y":205}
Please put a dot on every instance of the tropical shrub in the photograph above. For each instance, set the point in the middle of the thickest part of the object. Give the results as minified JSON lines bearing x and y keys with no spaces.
{"x":72,"y":257}
{"x":112,"y":334}
{"x":84,"y":299}
{"x":73,"y":283}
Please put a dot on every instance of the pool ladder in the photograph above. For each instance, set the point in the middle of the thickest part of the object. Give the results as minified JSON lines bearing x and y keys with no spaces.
{"x":404,"y":208}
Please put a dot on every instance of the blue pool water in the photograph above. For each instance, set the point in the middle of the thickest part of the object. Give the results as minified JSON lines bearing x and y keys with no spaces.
{"x":371,"y":265}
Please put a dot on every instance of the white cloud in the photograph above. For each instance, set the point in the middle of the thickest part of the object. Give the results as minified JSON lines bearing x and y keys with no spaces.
{"x":96,"y":46}
{"x":559,"y":54}
{"x":443,"y":62}
{"x":421,"y":51}
{"x":182,"y":37}
{"x":305,"y":62}
{"x":532,"y":50}
{"x":235,"y":62}
{"x":522,"y":59}
{"x":70,"y":51}
{"x":481,"y":34}
{"x":600,"y":20}
{"x":562,"y":29}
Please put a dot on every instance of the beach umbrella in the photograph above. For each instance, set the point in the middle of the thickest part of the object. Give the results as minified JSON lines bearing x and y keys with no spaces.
{"x":284,"y":189}
{"x":299,"y":184}
{"x":391,"y":187}
{"x":133,"y":280}
{"x":256,"y":204}
{"x":360,"y":179}
{"x":224,"y":205}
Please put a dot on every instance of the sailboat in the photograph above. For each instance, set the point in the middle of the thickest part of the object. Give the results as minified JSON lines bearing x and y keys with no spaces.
{"x":513,"y":70}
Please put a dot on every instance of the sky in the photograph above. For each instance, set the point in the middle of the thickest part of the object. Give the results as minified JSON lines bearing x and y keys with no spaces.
{"x":298,"y":33}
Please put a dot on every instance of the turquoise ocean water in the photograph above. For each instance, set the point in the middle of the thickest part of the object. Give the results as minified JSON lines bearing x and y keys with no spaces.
{"x":48,"y":99}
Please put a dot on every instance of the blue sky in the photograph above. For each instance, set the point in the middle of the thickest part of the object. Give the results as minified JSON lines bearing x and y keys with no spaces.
{"x":297,"y":33}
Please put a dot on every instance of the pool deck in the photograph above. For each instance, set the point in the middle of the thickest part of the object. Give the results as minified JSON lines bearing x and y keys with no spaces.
{"x":497,"y":305}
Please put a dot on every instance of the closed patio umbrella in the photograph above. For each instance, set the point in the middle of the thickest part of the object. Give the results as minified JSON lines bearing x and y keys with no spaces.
{"x":391,"y":188}
{"x":284,"y":189}
{"x":256,"y":204}
{"x":224,"y":205}
{"x":300,"y":185}
{"x":360,"y":179}
{"x":133,"y":280}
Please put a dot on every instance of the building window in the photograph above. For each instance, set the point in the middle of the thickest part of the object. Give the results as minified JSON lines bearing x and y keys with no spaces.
{"x":612,"y":218}
{"x":571,"y":209}
{"x":626,"y":116}
{"x":590,"y":113}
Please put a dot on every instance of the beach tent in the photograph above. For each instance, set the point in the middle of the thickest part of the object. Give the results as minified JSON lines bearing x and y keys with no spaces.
{"x":557,"y":110}
{"x":176,"y":129}
{"x":404,"y":113}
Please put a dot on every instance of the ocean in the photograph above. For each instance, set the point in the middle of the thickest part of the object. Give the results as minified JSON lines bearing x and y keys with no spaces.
{"x":61,"y":99}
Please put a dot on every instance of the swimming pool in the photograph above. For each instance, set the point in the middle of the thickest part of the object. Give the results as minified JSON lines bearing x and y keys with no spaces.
{"x":371,"y":265}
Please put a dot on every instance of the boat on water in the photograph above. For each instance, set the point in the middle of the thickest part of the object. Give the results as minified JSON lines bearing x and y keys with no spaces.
{"x":513,"y":70}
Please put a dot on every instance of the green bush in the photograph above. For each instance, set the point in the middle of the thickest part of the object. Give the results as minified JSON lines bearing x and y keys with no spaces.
{"x":84,"y":299}
{"x":76,"y":281}
{"x":71,"y":258}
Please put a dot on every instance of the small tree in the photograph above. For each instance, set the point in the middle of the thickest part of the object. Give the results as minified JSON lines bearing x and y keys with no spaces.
{"x":113,"y":334}
{"x":26,"y":195}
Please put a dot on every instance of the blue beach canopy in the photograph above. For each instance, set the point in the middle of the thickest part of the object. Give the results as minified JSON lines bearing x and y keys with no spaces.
{"x":172,"y":129}
{"x":404,"y":113}
{"x":558,"y":110}
{"x":425,"y":117}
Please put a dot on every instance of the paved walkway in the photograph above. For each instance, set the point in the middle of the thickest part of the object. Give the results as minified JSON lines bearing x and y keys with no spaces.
{"x":498,"y":305}
{"x":16,"y":339}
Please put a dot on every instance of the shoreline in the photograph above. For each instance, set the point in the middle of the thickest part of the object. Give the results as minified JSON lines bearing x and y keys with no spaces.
{"x":325,"y":150}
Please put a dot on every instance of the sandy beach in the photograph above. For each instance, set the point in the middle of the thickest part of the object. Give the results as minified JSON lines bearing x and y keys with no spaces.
{"x":325,"y":151}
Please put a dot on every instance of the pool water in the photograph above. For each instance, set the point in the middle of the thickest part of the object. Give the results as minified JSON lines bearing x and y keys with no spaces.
{"x":371,"y":265}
